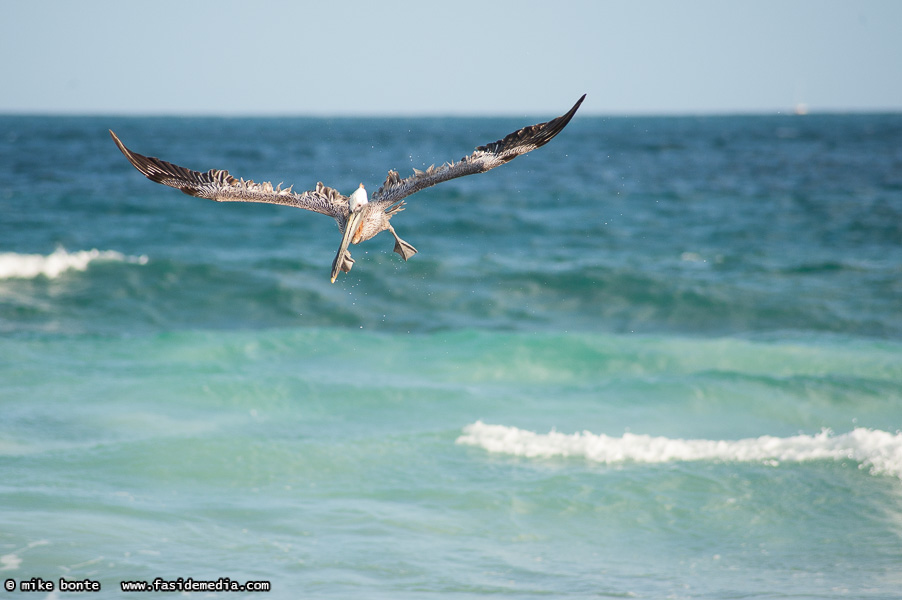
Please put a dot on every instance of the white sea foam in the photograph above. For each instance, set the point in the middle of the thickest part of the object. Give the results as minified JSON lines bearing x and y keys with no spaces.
{"x":10,"y":562}
{"x":879,"y":451}
{"x":29,"y":266}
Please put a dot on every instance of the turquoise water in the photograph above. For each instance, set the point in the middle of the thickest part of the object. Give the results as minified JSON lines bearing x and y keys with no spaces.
{"x":658,"y":357}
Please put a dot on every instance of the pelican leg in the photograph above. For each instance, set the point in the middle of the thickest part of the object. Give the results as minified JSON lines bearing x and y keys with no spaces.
{"x":402,"y":247}
{"x":343,"y":260}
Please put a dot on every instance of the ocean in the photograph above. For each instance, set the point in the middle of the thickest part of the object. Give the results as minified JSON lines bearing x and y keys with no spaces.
{"x":660,"y":357}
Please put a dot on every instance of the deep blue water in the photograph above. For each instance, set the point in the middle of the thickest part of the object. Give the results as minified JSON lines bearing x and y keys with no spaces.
{"x":656,"y":357}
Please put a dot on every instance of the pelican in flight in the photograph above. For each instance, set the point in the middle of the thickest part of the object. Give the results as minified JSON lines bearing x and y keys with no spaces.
{"x":358,"y":217}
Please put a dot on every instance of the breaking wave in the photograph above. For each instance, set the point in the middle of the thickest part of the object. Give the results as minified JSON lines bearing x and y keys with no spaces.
{"x":879,"y":451}
{"x":29,"y":266}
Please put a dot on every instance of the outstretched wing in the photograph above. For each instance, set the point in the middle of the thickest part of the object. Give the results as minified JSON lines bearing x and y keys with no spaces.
{"x":484,"y":158}
{"x":220,"y":186}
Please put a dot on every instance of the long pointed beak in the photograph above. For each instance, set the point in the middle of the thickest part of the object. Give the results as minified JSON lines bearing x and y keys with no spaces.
{"x":353,"y":222}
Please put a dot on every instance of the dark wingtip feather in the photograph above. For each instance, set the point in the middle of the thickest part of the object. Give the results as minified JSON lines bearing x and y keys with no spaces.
{"x":119,"y":143}
{"x":138,"y":161}
{"x":160,"y":171}
{"x":555,"y":126}
{"x":534,"y":135}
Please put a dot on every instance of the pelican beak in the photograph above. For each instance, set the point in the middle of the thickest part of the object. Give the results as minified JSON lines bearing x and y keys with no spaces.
{"x":354,"y":220}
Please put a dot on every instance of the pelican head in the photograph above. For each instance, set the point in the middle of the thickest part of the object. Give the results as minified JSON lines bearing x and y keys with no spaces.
{"x":358,"y":199}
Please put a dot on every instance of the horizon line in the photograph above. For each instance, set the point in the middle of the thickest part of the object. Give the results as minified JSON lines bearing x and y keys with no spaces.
{"x":189,"y":114}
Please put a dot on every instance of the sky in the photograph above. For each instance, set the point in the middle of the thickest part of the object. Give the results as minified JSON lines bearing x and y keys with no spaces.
{"x":454,"y":57}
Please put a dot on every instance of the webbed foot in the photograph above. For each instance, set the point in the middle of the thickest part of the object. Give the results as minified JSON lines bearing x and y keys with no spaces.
{"x":347,"y":262}
{"x":402,"y":247}
{"x":344,"y":264}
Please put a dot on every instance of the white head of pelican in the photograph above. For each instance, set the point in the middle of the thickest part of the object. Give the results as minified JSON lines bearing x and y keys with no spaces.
{"x":357,"y":199}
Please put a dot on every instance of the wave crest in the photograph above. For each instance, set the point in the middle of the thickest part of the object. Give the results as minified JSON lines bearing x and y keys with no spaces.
{"x":880,"y":451}
{"x":29,"y":266}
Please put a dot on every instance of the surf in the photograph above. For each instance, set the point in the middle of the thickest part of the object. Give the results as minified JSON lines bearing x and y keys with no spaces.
{"x":29,"y":266}
{"x":878,"y":451}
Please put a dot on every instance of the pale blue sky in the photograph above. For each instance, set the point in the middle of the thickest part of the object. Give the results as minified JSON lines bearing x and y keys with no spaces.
{"x":450,"y":57}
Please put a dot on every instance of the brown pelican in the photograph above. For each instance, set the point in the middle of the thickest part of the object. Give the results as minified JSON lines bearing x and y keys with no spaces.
{"x":358,"y":219}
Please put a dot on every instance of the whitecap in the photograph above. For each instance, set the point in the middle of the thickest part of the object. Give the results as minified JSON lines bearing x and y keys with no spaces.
{"x":877,"y":450}
{"x":28,"y":266}
{"x":10,"y":562}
